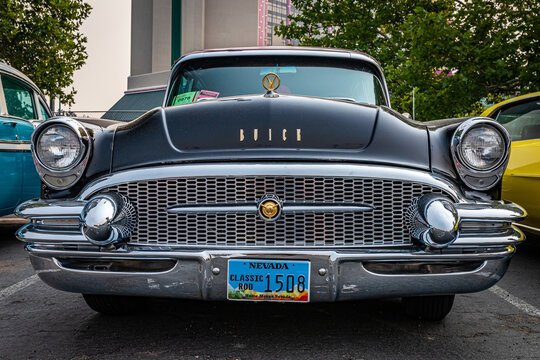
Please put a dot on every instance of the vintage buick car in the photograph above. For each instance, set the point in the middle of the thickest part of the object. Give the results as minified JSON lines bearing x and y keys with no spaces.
{"x":275,"y":174}
{"x":521,"y":180}
{"x":22,"y":106}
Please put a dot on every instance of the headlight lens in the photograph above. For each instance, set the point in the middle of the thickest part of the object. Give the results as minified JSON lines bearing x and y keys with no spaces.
{"x":482,"y":147}
{"x":59,"y":148}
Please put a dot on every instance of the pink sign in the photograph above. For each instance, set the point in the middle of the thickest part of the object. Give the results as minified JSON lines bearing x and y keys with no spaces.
{"x":206,"y":94}
{"x":263,"y":20}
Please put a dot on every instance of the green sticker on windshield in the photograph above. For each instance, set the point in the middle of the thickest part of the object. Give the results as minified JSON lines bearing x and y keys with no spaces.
{"x":184,"y":98}
{"x":194,"y":96}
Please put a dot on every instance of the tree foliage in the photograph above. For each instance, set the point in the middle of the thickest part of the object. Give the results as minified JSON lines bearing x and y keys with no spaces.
{"x":456,"y":54}
{"x":41,"y":38}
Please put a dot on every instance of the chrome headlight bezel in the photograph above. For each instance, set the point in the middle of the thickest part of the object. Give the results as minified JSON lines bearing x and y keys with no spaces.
{"x":77,"y":159}
{"x":59,"y":179}
{"x":473,"y":177}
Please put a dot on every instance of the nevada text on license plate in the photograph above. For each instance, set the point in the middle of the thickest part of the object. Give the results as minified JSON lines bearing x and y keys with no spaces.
{"x":268,"y":280}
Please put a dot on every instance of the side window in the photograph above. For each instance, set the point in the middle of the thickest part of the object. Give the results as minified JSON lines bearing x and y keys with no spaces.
{"x":379,"y":93}
{"x":18,"y":99}
{"x":522,"y":120}
{"x":44,"y":113}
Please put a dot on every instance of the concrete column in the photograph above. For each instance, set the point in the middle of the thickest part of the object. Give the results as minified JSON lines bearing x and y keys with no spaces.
{"x":193,"y":22}
{"x":161,"y":35}
{"x":141,"y":36}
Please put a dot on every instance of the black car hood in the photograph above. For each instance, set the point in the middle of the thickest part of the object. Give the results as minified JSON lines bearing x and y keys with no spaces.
{"x":262,"y":128}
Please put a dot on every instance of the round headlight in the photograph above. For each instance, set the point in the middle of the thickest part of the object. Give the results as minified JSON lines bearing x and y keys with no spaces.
{"x":482,"y":148}
{"x":59,"y":148}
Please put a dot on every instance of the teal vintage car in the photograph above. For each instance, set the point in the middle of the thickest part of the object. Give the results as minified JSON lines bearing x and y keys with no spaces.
{"x":22,"y":107}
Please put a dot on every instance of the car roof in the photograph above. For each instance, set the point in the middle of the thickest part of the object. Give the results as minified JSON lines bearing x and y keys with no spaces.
{"x":279,"y":50}
{"x":9,"y":70}
{"x":491,"y":110}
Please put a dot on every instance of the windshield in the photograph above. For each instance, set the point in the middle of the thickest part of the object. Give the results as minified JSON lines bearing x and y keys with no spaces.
{"x":522,"y":120}
{"x":319,"y":77}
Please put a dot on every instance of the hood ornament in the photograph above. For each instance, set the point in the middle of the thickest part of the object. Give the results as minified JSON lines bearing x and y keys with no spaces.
{"x":271,"y":82}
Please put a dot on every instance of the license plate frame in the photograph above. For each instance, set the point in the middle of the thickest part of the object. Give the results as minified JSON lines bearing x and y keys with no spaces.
{"x":265,"y":274}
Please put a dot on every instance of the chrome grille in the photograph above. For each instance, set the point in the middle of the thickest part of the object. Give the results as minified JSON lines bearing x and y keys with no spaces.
{"x":383,"y":226}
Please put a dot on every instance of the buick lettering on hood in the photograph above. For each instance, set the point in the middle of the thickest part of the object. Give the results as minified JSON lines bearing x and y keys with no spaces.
{"x":272,"y":174}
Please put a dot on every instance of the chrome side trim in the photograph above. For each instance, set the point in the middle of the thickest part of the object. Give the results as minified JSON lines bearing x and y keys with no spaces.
{"x":504,"y":211}
{"x":273,"y":169}
{"x":38,"y":208}
{"x":3,"y":105}
{"x":512,"y":236}
{"x":14,"y":146}
{"x":30,"y":233}
{"x":529,"y":228}
{"x":252,"y":208}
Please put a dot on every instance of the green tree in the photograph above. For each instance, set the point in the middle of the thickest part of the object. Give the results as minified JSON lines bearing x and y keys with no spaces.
{"x":455,"y":54}
{"x":42,"y":39}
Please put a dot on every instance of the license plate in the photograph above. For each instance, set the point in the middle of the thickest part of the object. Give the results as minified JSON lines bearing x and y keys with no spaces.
{"x":268,"y":280}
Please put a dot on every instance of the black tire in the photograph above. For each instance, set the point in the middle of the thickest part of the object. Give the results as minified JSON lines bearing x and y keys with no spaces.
{"x":111,"y":304}
{"x":430,"y":308}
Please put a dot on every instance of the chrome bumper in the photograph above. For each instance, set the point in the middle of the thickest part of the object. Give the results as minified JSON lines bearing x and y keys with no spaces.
{"x":202,"y":275}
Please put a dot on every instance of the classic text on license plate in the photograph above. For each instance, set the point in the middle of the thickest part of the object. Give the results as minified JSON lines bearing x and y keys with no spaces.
{"x":268,"y":280}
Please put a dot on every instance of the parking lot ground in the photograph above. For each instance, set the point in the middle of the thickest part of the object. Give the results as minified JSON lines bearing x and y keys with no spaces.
{"x":38,"y":322}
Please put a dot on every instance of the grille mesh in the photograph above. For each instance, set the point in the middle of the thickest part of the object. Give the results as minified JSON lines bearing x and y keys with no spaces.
{"x":381,"y":227}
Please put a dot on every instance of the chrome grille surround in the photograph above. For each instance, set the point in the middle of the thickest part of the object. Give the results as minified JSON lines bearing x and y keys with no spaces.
{"x":384,"y":226}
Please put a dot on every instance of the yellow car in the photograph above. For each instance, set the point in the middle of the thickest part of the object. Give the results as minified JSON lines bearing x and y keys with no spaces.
{"x":521,"y":181}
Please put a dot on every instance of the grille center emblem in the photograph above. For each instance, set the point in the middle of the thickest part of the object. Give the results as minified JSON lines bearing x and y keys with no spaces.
{"x":269,"y":207}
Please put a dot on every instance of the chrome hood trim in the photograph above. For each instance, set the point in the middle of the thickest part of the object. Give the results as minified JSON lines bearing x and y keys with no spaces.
{"x":276,"y":169}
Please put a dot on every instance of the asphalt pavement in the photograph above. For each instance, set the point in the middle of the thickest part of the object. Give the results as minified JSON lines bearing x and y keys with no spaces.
{"x":38,"y":322}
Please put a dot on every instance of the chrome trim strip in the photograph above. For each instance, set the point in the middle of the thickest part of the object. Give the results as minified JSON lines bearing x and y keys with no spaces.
{"x":14,"y":142}
{"x":337,"y":208}
{"x":511,"y":237}
{"x":14,"y":146}
{"x":248,"y":208}
{"x":3,"y":105}
{"x":502,"y":211}
{"x":218,"y":209}
{"x":147,"y":273}
{"x":479,"y":268}
{"x":334,"y":255}
{"x":38,"y":208}
{"x":529,"y":228}
{"x":29,"y":233}
{"x":273,"y":169}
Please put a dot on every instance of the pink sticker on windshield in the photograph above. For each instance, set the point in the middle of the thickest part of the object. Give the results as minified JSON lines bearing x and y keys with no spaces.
{"x":206,"y":94}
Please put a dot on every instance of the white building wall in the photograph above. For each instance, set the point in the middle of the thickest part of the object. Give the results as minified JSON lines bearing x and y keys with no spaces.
{"x":230,"y":23}
{"x":206,"y":24}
